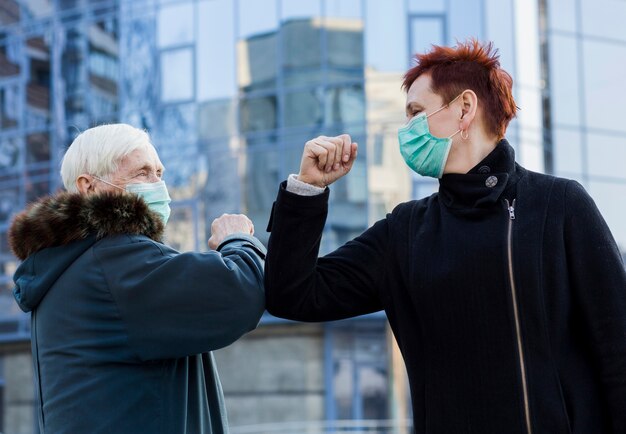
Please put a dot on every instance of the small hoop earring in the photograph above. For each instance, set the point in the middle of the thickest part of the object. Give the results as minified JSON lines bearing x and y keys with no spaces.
{"x":466,"y":136}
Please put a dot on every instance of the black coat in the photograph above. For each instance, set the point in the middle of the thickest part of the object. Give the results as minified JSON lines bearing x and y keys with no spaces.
{"x":506,"y":313}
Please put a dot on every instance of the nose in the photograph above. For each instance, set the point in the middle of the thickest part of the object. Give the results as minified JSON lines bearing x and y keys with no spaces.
{"x":153,"y":178}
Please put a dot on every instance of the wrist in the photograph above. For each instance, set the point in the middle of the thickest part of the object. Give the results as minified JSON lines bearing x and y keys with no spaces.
{"x":306,"y":180}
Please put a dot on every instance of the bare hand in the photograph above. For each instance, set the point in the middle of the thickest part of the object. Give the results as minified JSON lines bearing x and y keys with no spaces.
{"x":326,"y":159}
{"x":228,"y":224}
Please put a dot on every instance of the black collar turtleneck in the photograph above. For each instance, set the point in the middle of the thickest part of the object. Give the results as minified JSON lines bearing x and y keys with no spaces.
{"x":486,"y":183}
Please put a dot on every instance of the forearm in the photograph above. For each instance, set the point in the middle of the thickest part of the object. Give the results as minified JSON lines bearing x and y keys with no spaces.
{"x":301,"y":286}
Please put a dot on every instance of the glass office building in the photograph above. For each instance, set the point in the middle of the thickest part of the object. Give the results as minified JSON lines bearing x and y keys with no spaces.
{"x":230,"y":90}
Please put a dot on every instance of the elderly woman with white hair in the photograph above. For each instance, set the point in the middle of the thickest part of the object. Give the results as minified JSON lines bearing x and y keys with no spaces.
{"x":122,"y":324}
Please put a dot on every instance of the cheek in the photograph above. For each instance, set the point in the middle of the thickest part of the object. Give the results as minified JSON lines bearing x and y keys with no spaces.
{"x":442,"y":129}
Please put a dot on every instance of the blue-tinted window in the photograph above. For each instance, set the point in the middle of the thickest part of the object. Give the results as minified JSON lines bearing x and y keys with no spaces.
{"x":604,"y":84}
{"x":426,"y":31}
{"x":175,"y":24}
{"x":565,"y":83}
{"x":177,"y":75}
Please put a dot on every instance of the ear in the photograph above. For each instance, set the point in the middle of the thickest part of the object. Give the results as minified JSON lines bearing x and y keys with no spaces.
{"x":469,"y":106}
{"x":85,"y":184}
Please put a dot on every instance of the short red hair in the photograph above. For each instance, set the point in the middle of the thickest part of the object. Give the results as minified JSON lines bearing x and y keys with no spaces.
{"x":469,"y":65}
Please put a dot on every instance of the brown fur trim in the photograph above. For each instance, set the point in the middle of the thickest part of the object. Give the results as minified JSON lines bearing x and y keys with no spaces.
{"x":60,"y":219}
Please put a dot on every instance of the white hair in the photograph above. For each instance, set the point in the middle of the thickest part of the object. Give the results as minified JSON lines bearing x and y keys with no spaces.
{"x":98,"y":150}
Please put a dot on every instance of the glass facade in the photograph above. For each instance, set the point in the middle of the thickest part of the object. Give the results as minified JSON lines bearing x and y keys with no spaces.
{"x":230,"y":90}
{"x":588,"y":140}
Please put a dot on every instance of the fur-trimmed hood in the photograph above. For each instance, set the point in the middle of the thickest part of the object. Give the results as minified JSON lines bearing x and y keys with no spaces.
{"x":67,"y":217}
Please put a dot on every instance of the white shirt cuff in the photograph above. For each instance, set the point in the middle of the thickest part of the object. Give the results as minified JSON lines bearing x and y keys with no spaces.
{"x":294,"y":185}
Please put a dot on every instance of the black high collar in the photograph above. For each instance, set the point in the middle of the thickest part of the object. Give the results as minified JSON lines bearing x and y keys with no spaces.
{"x":490,"y":181}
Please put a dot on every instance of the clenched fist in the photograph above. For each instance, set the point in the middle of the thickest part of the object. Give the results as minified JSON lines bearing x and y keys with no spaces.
{"x":228,"y":224}
{"x":326,"y":159}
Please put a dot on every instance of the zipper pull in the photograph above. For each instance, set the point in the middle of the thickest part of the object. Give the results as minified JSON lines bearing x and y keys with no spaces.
{"x":511,"y":208}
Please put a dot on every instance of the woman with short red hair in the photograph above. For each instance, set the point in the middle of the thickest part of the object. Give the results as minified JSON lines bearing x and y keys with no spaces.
{"x":505,"y":290}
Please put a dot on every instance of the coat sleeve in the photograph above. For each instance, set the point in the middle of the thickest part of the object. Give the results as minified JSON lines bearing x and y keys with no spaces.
{"x":598,"y":279}
{"x":299,"y":285}
{"x":179,"y":304}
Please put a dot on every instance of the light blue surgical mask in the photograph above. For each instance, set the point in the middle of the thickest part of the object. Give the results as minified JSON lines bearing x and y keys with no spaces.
{"x":155,"y":195}
{"x":423,"y":152}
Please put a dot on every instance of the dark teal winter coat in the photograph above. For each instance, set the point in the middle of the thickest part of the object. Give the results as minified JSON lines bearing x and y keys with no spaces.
{"x":123,"y":325}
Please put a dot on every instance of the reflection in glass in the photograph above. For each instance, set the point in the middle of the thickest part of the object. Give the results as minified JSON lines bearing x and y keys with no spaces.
{"x":257,"y":62}
{"x":256,"y":17}
{"x":604,"y":81}
{"x":258,"y":114}
{"x":609,"y":199}
{"x":603,"y":18}
{"x":9,"y":60}
{"x":73,"y":70}
{"x":215,"y":51}
{"x":606,"y":155}
{"x":9,"y":105}
{"x":104,"y":70}
{"x":37,"y":148}
{"x":177,"y":75}
{"x":9,"y":152}
{"x":34,"y":9}
{"x":180,"y":231}
{"x":422,"y":6}
{"x":360,"y":377}
{"x":426,"y":31}
{"x":567,"y":152}
{"x":343,"y":9}
{"x":137,"y":77}
{"x":562,"y":15}
{"x":9,"y":12}
{"x":38,"y":88}
{"x":175,"y":24}
{"x":291,"y":9}
{"x":564,"y":80}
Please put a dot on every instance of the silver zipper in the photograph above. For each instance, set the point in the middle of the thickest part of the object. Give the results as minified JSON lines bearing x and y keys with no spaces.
{"x":511,"y":208}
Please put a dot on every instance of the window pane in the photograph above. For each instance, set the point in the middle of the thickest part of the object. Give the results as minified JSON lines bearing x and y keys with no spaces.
{"x":567,"y":150}
{"x":258,"y":114}
{"x":303,"y":108}
{"x":345,"y":44}
{"x":564,"y":80}
{"x":344,"y":9}
{"x":35,"y":9}
{"x":604,"y":84}
{"x":562,"y":15}
{"x":426,"y":6}
{"x":607,"y":154}
{"x":9,"y":60}
{"x":177,"y":75}
{"x":257,"y":16}
{"x":426,"y":31}
{"x":140,"y":95}
{"x":386,"y":50}
{"x":300,"y":9}
{"x":9,"y":12}
{"x":216,"y":50}
{"x":175,"y":25}
{"x":257,"y":62}
{"x":9,"y":106}
{"x":104,"y":70}
{"x":38,"y":87}
{"x":609,"y":198}
{"x":604,"y":18}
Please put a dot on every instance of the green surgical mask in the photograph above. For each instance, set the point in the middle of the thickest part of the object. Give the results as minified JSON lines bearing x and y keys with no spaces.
{"x":424,"y":153}
{"x":155,"y":195}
